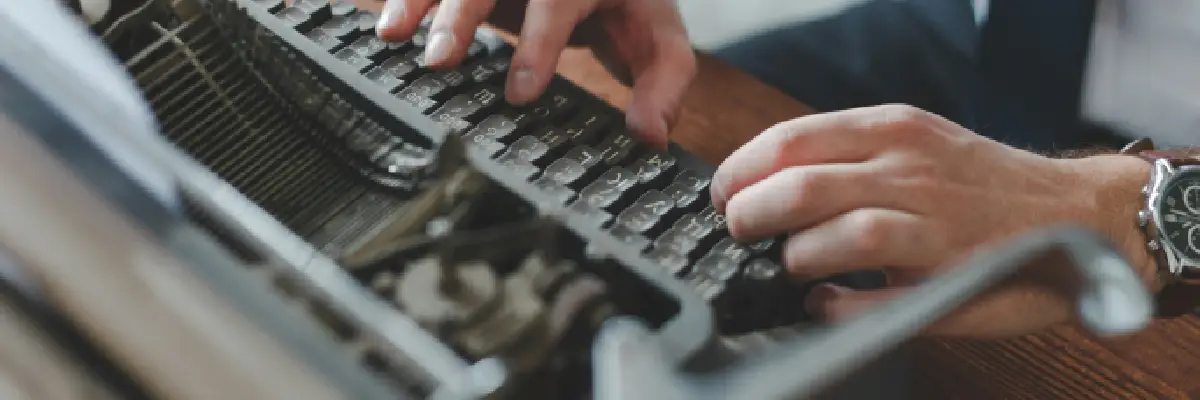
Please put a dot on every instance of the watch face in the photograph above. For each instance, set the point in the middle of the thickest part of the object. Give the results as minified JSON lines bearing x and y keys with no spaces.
{"x":1180,"y":215}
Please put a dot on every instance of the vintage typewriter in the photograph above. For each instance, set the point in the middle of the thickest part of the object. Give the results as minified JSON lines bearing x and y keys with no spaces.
{"x":371,"y":227}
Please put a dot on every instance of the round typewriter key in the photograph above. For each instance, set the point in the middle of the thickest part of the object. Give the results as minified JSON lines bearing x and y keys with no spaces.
{"x":296,"y":18}
{"x":634,"y":240}
{"x":342,"y":27}
{"x":692,"y":179}
{"x":559,"y":193}
{"x":565,"y":171}
{"x":763,"y":270}
{"x":341,"y":7}
{"x":271,"y":5}
{"x":717,"y":267}
{"x":676,"y":241}
{"x":762,"y":246}
{"x":684,"y":196}
{"x":366,"y":20}
{"x":731,"y":249}
{"x":708,"y":288}
{"x":671,"y":261}
{"x":694,"y":226}
{"x":637,"y":219}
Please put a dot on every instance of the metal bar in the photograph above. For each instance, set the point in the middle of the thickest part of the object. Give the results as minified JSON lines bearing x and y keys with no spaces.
{"x":1109,"y":296}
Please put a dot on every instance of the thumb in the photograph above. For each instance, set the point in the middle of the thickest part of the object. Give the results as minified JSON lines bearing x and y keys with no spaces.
{"x":831,"y":303}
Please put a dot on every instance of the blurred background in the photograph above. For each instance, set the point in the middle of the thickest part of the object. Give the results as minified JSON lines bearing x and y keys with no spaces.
{"x":713,"y":23}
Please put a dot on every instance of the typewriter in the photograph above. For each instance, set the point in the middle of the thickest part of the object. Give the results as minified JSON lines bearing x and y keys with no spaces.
{"x":307,"y":211}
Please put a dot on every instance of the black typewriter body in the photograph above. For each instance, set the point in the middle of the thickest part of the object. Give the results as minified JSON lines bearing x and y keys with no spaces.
{"x":439,"y":239}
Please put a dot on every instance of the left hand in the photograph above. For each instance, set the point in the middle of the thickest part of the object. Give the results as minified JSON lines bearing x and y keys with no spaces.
{"x":898,"y":189}
{"x":641,"y":42}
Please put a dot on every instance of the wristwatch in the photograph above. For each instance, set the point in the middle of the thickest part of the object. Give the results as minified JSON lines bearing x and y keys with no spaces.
{"x":1170,"y":220}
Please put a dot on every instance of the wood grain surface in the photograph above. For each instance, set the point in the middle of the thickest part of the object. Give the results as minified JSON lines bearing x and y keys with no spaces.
{"x":726,"y":107}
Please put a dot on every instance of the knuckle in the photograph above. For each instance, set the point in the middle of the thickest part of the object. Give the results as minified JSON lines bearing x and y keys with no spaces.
{"x":687,"y":65}
{"x":805,"y":186}
{"x":921,"y":173}
{"x":904,"y":114}
{"x":790,"y":133}
{"x":904,"y":121}
{"x":869,"y":231}
{"x":684,"y":56}
{"x":779,"y":128}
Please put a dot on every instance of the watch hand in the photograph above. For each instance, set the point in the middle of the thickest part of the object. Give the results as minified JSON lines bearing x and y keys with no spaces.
{"x":1185,"y":215}
{"x":1178,"y":216}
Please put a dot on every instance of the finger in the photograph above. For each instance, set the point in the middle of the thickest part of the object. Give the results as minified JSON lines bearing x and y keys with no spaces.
{"x":399,"y":19}
{"x":838,"y":137}
{"x":453,"y":30}
{"x":548,"y":26}
{"x":663,"y":73}
{"x":799,"y":197}
{"x":831,"y":303}
{"x":659,"y":88}
{"x":864,"y":239}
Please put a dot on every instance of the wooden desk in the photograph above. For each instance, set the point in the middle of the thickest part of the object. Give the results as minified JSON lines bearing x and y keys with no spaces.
{"x":726,"y":107}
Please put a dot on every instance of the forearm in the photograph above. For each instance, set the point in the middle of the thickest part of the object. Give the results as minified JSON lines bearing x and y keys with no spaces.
{"x":1117,"y":182}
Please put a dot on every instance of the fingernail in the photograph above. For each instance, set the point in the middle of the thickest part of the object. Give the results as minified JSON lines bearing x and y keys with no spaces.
{"x":717,"y":189}
{"x":441,"y":43}
{"x":393,"y":12}
{"x":523,"y":84}
{"x":814,"y":302}
{"x":649,"y":123}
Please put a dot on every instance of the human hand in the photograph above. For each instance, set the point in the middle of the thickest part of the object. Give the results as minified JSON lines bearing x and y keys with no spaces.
{"x":641,"y":41}
{"x":897,"y":189}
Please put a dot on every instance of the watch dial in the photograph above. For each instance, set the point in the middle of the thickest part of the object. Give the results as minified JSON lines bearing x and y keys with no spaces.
{"x":1180,"y":208}
{"x":1191,"y":198}
{"x":1194,"y":239}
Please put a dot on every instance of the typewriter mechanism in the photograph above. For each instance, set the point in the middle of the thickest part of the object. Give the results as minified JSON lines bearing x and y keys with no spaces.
{"x":363,"y":226}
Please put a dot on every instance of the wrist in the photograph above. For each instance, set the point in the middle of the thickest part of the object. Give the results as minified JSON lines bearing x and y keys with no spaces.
{"x":1114,"y":185}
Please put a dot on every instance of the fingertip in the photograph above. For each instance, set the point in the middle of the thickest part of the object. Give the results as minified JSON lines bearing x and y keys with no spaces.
{"x":757,"y":212}
{"x":649,"y":125}
{"x":393,"y":24}
{"x":523,"y":86}
{"x":390,"y":18}
{"x":441,"y":47}
{"x":734,"y":217}
{"x":818,"y":303}
{"x":544,"y":35}
{"x":717,"y":190}
{"x":739,"y":218}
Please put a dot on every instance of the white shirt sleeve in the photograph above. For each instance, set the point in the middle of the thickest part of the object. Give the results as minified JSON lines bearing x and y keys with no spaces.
{"x":981,"y":10}
{"x":1143,"y":71}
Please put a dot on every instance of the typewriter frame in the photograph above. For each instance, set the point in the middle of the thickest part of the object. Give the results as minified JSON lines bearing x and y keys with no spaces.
{"x":145,"y":259}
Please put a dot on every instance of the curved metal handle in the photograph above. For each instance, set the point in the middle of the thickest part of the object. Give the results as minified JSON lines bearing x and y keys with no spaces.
{"x":1109,"y":296}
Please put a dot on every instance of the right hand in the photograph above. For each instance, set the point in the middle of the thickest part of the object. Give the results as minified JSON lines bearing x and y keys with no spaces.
{"x":641,"y":41}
